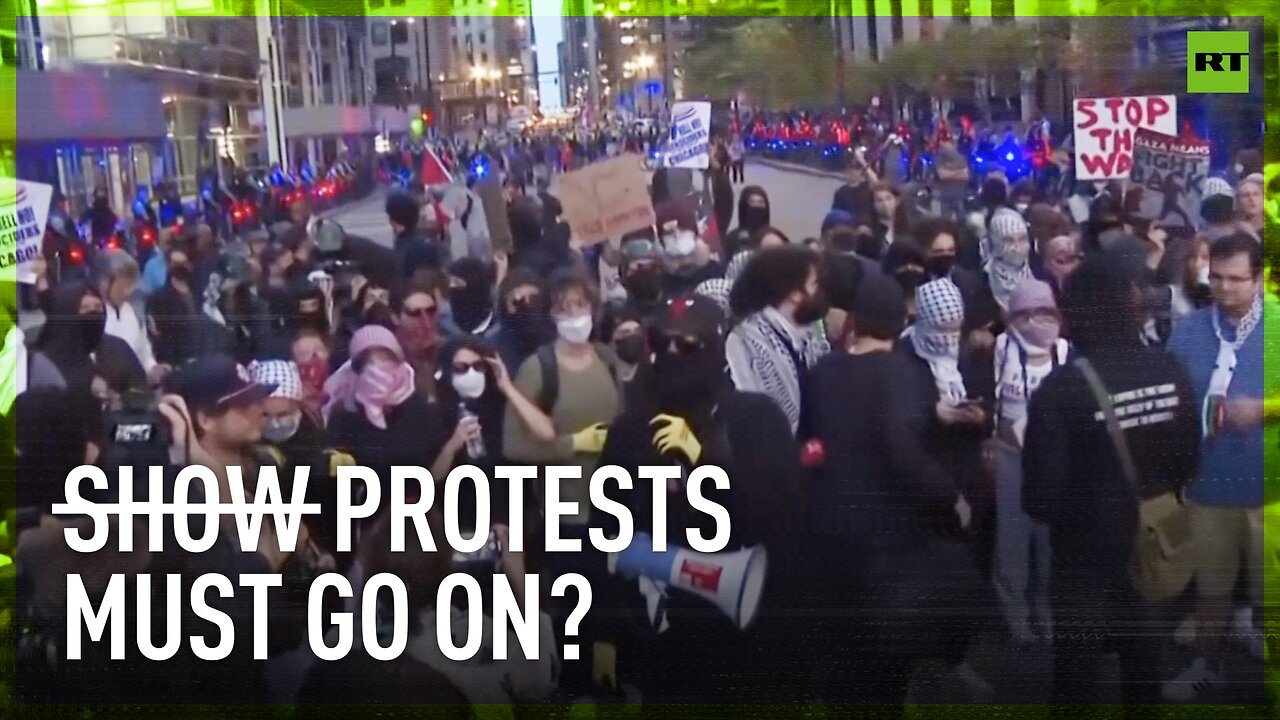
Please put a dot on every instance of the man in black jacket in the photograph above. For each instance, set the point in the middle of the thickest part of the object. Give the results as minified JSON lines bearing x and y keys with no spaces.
{"x":692,"y":417}
{"x":886,"y":569}
{"x":1074,"y":481}
{"x":413,"y":249}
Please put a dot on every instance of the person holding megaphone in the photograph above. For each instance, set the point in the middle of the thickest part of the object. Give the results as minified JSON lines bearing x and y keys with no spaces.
{"x":715,"y":633}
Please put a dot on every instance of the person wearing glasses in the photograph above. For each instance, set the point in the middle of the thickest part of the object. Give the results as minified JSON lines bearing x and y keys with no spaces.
{"x":415,"y":309}
{"x":688,"y":415}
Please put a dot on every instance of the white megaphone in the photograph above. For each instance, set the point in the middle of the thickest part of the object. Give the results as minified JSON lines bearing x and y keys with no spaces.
{"x":732,"y":581}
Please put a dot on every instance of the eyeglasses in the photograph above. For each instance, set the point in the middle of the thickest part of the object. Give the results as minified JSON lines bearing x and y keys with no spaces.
{"x":460,"y":368}
{"x":679,"y":344}
{"x":421,"y":312}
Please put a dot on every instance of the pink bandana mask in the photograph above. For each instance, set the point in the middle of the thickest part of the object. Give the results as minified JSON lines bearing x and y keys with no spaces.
{"x":381,"y":386}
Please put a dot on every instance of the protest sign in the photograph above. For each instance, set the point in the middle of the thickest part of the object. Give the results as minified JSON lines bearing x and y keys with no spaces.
{"x":1169,"y":170}
{"x":1104,"y":128}
{"x":24,"y":210}
{"x":495,"y":211}
{"x":690,"y":136}
{"x":606,"y":199}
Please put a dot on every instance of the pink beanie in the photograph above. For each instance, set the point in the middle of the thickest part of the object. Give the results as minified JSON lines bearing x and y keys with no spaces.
{"x":1031,"y":294}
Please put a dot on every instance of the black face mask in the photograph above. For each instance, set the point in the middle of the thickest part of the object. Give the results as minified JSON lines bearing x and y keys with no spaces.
{"x":470,"y":305}
{"x":531,"y":323}
{"x":909,"y":279}
{"x":644,"y":283}
{"x":812,"y":309}
{"x":939,"y":266}
{"x":754,"y":218}
{"x":92,"y":328}
{"x":868,"y":247}
{"x":630,"y":349}
{"x":689,"y":381}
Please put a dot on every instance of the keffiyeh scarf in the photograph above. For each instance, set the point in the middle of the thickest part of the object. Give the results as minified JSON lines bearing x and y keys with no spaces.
{"x":936,"y":335}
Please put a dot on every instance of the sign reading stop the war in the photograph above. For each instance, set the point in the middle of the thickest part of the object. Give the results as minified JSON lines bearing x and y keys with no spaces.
{"x":1105,"y":127}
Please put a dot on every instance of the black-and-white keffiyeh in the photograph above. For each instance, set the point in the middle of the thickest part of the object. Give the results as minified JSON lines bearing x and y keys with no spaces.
{"x":762,"y":352}
{"x":737,"y":264}
{"x":1005,"y":269}
{"x":936,"y":335}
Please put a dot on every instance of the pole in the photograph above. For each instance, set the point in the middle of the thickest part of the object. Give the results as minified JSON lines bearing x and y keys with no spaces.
{"x":271,"y":88}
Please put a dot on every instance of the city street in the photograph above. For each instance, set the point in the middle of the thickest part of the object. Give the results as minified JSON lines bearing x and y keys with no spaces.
{"x":798,"y":201}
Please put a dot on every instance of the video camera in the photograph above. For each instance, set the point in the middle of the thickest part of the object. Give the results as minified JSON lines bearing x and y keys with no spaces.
{"x":137,"y":432}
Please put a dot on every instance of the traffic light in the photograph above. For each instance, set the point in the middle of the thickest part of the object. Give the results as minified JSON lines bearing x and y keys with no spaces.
{"x":427,"y":117}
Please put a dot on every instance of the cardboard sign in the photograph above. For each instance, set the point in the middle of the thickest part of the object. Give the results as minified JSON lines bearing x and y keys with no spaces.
{"x":495,"y":212}
{"x":24,"y":210}
{"x":1104,"y":130}
{"x":1169,"y":170}
{"x":690,"y":137}
{"x":606,"y":199}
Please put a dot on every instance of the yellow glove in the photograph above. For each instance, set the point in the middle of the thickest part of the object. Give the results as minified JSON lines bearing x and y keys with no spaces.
{"x":590,"y":439}
{"x":338,"y":459}
{"x":673,"y":433}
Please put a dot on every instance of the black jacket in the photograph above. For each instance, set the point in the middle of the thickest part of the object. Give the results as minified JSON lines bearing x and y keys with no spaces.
{"x":1073,"y":479}
{"x":413,"y":251}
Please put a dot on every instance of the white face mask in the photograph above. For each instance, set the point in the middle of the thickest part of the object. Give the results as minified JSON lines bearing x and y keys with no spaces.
{"x":1202,"y":275}
{"x":680,"y":243}
{"x":1021,"y":207}
{"x":469,"y":385}
{"x":574,"y":330}
{"x":278,"y":430}
{"x":1239,"y":169}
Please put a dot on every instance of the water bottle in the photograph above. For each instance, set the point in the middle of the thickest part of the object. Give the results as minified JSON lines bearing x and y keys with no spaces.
{"x":475,"y":445}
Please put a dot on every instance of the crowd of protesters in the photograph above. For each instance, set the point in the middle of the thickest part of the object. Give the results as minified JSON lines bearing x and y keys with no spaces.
{"x":944,"y":423}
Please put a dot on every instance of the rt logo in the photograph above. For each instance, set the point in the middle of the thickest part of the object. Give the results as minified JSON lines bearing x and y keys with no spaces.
{"x":1218,"y":61}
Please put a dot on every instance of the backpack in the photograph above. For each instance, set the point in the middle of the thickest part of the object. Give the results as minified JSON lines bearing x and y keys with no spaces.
{"x":549,"y":365}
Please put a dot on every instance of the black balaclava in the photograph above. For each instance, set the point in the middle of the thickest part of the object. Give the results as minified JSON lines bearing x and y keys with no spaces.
{"x":471,"y":304}
{"x":316,"y":319}
{"x":689,"y":382}
{"x":900,"y":262}
{"x":531,"y":322}
{"x":752,"y":218}
{"x":69,"y":338}
{"x":1218,"y":209}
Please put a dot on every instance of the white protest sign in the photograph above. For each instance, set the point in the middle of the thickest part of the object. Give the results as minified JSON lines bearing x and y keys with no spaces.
{"x":24,"y":210}
{"x":1104,"y":130}
{"x":1169,"y":170}
{"x":690,"y":136}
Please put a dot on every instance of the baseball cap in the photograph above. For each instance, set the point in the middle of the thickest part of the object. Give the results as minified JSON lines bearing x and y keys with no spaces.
{"x":691,"y":316}
{"x":216,"y":382}
{"x":678,"y":212}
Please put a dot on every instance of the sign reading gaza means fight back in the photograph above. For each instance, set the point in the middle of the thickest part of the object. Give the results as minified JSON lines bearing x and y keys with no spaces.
{"x":1170,"y":171}
{"x":690,"y":137}
{"x":1104,"y":129}
{"x":24,"y":210}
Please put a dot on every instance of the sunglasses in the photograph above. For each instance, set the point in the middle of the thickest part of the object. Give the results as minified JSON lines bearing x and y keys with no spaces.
{"x":683,"y":345}
{"x":422,"y":312}
{"x":461,"y":368}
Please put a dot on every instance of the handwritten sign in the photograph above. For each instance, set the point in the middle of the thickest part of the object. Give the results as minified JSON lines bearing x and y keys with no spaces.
{"x":606,"y":199}
{"x":1104,"y":130}
{"x":690,"y":136}
{"x":1169,"y":170}
{"x":24,"y":210}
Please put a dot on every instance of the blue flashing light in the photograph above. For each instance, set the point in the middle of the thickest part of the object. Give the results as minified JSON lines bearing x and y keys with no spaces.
{"x":1008,"y":156}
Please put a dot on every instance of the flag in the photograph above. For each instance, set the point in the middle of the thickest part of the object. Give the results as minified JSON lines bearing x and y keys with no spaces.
{"x":433,"y":170}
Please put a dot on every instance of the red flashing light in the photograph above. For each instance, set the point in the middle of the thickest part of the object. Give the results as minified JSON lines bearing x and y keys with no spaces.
{"x":75,"y":255}
{"x":148,"y":237}
{"x":113,"y":243}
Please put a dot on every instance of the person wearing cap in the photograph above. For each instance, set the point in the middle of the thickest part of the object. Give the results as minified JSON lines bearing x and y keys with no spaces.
{"x":772,"y":348}
{"x":688,"y":415}
{"x":880,"y":502}
{"x":687,"y":260}
{"x":1028,"y":350}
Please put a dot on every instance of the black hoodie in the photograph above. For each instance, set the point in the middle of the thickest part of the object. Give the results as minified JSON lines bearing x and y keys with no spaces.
{"x":749,"y":218}
{"x":80,"y":348}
